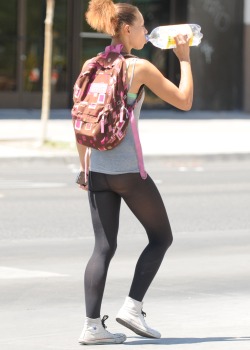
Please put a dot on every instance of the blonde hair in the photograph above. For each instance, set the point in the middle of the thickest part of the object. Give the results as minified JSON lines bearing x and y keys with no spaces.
{"x":107,"y":17}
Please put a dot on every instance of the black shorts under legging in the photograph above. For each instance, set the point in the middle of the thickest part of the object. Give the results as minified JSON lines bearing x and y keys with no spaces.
{"x":144,"y":200}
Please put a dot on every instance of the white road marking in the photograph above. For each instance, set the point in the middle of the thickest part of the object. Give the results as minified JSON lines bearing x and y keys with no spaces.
{"x":15,"y":185}
{"x":191,"y":168}
{"x":199,"y":169}
{"x":158,"y":181}
{"x":13,"y":341}
{"x":47,"y":185}
{"x":8,"y":273}
{"x":183,"y":168}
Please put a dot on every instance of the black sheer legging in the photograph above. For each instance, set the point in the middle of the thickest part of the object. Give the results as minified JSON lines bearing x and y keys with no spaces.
{"x":144,"y":200}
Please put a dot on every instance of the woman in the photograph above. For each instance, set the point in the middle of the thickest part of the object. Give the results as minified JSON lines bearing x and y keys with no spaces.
{"x":114,"y":175}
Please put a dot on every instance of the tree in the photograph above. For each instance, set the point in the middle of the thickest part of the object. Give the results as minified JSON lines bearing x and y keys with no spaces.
{"x":48,"y":44}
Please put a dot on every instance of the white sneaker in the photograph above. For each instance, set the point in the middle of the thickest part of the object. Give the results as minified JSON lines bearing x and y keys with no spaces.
{"x":132,"y":317}
{"x":94,"y":332}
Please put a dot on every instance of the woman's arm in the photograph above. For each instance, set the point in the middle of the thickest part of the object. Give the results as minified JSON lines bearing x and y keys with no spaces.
{"x":181,"y":96}
{"x":81,"y":149}
{"x":84,"y":164}
{"x":81,"y":152}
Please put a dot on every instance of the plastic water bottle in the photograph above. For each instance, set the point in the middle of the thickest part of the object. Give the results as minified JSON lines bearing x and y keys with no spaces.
{"x":163,"y":37}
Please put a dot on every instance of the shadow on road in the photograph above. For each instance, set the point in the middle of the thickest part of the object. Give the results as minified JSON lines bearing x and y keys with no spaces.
{"x":176,"y":341}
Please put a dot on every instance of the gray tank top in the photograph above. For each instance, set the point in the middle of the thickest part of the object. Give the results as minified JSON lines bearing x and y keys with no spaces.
{"x":123,"y":158}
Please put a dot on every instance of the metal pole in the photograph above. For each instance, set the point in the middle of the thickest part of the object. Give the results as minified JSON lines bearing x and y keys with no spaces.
{"x":46,"y":96}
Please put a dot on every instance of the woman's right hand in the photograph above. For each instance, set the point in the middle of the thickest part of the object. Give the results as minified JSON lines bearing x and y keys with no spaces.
{"x":82,"y":180}
{"x":84,"y":187}
{"x":182,"y":49}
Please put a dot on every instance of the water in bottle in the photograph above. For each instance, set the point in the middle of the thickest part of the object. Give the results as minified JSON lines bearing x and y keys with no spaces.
{"x":163,"y":37}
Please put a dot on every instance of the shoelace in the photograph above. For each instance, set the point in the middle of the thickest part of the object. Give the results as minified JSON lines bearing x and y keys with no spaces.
{"x":105,"y":317}
{"x":143,"y":313}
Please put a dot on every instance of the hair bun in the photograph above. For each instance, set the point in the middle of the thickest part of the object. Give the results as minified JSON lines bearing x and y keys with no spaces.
{"x":101,"y":16}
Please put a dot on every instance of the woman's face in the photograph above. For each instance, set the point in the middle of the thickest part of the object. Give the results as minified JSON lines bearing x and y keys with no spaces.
{"x":138,"y":32}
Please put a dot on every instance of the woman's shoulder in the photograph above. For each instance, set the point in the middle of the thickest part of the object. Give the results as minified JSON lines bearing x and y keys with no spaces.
{"x":144,"y":65}
{"x":144,"y":68}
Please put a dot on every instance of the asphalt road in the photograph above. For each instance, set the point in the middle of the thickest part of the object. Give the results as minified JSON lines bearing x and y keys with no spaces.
{"x":200,"y":297}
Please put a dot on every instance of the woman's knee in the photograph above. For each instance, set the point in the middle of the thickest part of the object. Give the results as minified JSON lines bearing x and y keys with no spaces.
{"x":168,"y":237}
{"x":169,"y":240}
{"x":108,"y":251}
{"x":163,"y":240}
{"x":166,"y":243}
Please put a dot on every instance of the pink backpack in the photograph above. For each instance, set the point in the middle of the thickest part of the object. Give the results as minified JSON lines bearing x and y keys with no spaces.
{"x":100,"y":113}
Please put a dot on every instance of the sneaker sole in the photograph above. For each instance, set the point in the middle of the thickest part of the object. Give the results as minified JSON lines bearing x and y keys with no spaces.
{"x":134,"y":329}
{"x":102,"y":342}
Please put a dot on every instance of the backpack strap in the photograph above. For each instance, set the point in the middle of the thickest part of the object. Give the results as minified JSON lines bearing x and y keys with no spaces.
{"x":138,"y":148}
{"x":134,"y":127}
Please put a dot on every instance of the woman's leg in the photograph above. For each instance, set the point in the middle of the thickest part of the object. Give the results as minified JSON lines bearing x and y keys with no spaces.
{"x":144,"y":200}
{"x":147,"y":205}
{"x":105,"y":209}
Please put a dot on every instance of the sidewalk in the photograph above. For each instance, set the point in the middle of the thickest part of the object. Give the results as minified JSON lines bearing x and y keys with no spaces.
{"x":163,"y":133}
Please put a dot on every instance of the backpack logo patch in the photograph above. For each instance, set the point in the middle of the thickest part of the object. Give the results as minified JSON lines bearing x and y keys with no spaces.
{"x":100,"y":88}
{"x":101,"y":98}
{"x":78,"y":124}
